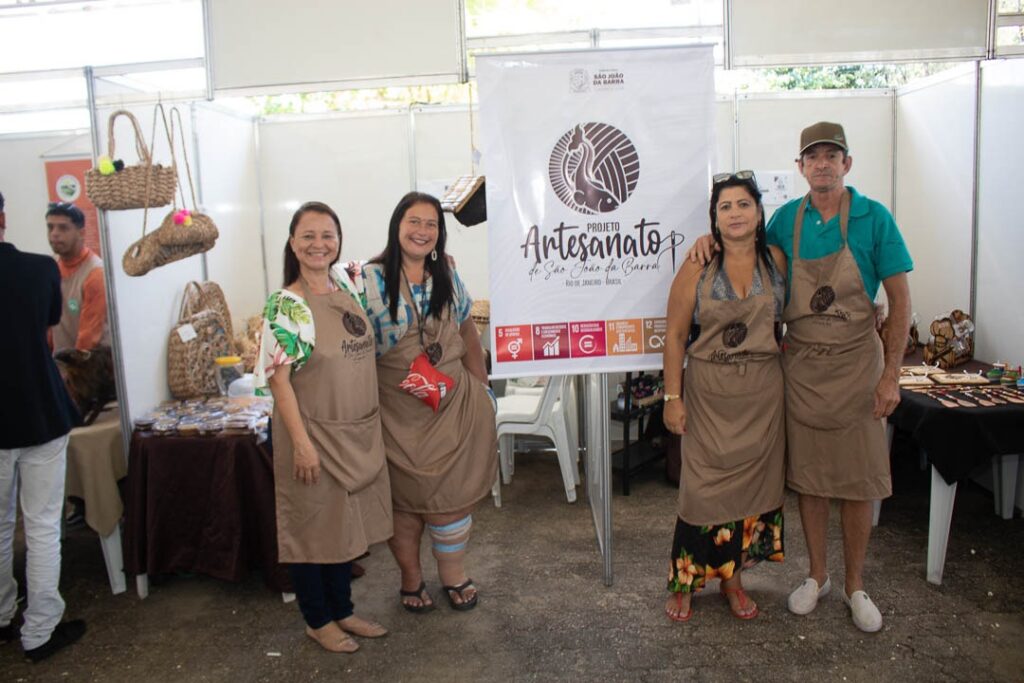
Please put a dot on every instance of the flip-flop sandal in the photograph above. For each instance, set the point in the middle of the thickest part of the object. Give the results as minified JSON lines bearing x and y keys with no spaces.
{"x":742,"y":595}
{"x":679,"y":606}
{"x":465,"y":605}
{"x":424,"y":606}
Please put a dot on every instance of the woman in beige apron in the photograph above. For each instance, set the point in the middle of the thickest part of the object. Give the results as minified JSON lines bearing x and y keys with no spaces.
{"x":330,"y":480}
{"x":442,"y":462}
{"x":732,"y":409}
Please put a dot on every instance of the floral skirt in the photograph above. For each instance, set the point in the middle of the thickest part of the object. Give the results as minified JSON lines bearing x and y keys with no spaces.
{"x":700,"y":553}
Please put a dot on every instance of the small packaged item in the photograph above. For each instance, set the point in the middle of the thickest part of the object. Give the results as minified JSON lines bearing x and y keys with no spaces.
{"x":229,"y":369}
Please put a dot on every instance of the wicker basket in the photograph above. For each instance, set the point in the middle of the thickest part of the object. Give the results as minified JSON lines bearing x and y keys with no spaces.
{"x":147,"y":253}
{"x":171,"y":242}
{"x":191,"y":372}
{"x":134,"y":187}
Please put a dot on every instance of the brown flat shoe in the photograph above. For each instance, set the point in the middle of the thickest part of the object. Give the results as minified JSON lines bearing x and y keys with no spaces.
{"x":361,"y":627}
{"x":332,"y":638}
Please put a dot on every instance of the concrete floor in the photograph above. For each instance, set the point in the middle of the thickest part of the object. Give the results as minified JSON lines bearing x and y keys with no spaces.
{"x":545,"y":615}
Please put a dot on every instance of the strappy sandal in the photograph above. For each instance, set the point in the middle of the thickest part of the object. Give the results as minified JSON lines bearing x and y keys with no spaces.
{"x":344,"y":643}
{"x":742,"y":595}
{"x":419,"y":594}
{"x":679,"y":607}
{"x":465,"y":605}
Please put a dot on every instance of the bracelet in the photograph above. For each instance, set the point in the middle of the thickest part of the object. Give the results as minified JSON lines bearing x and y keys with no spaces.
{"x":670,"y":397}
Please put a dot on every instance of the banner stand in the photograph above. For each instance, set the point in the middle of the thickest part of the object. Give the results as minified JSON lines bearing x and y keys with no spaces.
{"x":599,"y":465}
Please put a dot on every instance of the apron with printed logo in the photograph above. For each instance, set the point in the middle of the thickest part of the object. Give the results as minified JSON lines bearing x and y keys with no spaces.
{"x":734,"y":449}
{"x":444,"y":461}
{"x":832,"y":360}
{"x":349,"y":508}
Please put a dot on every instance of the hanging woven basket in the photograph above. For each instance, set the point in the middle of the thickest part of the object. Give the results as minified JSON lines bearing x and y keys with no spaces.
{"x":134,"y":187}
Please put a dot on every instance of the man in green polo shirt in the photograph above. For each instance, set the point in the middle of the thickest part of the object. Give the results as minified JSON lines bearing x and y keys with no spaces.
{"x":840,"y":382}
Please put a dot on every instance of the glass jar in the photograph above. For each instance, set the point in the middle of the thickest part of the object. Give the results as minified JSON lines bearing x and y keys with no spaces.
{"x":229,"y":368}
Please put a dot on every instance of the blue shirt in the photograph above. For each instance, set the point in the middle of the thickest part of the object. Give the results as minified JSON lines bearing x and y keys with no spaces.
{"x":872,"y":234}
{"x":388,"y":332}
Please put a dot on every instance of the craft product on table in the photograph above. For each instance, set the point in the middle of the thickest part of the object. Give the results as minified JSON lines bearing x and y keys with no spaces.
{"x":915,"y":381}
{"x":915,"y":370}
{"x":218,"y":415}
{"x":959,"y":378}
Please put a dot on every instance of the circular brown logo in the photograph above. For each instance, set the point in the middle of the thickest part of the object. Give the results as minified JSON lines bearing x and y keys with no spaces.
{"x":822,"y":299}
{"x":434,"y":353}
{"x":734,"y":334}
{"x":594,"y":168}
{"x":354,"y":324}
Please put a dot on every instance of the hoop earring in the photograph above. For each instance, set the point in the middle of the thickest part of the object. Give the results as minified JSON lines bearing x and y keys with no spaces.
{"x":433,"y":255}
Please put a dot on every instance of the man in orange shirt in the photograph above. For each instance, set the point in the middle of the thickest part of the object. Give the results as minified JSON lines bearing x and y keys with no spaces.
{"x":83,"y":320}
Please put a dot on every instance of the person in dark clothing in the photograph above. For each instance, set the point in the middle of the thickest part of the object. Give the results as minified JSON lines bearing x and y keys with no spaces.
{"x":36,"y":415}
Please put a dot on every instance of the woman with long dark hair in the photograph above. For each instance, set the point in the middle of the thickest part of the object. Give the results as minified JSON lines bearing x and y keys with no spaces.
{"x":436,"y":411}
{"x":330,"y":481}
{"x":725,"y":318}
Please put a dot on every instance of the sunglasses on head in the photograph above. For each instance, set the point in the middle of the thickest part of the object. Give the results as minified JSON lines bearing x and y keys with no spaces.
{"x":57,"y":205}
{"x":719,"y":178}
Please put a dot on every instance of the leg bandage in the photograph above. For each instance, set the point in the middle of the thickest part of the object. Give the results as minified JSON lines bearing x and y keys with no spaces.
{"x":451,"y":538}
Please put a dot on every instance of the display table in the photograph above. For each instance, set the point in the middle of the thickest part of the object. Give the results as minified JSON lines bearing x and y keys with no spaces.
{"x":957,"y":442}
{"x":95,"y":463}
{"x":202,"y":505}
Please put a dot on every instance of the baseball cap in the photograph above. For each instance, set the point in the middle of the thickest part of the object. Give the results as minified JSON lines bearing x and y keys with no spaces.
{"x":823,"y":131}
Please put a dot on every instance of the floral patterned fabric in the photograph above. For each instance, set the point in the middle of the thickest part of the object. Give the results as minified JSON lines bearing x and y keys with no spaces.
{"x":701,"y":553}
{"x":288,"y":332}
{"x":388,"y":332}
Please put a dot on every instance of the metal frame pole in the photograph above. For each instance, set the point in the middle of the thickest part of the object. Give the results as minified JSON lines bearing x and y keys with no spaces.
{"x":108,"y":277}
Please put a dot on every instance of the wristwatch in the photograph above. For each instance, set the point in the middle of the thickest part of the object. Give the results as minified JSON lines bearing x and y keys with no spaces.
{"x":670,"y":397}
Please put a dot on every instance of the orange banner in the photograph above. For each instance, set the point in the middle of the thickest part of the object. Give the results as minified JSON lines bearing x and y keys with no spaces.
{"x":65,"y":182}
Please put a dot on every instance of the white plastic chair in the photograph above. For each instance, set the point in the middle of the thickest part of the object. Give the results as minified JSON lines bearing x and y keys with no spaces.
{"x":539,"y":414}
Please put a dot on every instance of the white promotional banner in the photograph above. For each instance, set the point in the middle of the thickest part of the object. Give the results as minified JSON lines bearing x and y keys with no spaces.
{"x":597,"y":166}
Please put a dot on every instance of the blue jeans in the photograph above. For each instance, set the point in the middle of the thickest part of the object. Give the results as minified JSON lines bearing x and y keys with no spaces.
{"x":39,"y":473}
{"x":323,"y":591}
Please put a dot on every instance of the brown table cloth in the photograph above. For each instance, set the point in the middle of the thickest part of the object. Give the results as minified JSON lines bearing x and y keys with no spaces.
{"x":95,"y":464}
{"x":959,"y":440}
{"x":202,"y":505}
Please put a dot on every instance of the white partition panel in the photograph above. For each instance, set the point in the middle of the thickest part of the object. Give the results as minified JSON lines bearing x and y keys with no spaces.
{"x":935,"y":191}
{"x":725,"y":142}
{"x":999,"y":316}
{"x":443,"y":153}
{"x":23,"y":183}
{"x":147,"y":306}
{"x":838,"y":31}
{"x":359,"y":165}
{"x":263,"y":43}
{"x":770,"y":125}
{"x":230,"y":195}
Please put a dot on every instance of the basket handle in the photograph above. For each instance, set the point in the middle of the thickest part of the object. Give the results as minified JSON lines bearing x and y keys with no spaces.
{"x":140,"y":142}
{"x":187,"y":300}
{"x":175,"y":112}
{"x":149,"y":168}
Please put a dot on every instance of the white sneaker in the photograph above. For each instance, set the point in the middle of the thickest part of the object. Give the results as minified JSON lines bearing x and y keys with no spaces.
{"x":866,"y":616}
{"x":805,"y":598}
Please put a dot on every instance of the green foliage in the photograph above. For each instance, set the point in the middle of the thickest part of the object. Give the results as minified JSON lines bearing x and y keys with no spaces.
{"x":847,"y":76}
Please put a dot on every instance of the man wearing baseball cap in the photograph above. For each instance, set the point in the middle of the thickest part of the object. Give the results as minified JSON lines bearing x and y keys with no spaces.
{"x":841,"y":382}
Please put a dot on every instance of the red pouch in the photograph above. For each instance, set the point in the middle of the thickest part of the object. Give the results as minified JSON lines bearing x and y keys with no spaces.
{"x":426,"y":382}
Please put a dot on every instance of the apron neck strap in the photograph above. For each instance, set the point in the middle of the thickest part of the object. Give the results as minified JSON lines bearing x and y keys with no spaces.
{"x":417,"y":306}
{"x":798,"y":222}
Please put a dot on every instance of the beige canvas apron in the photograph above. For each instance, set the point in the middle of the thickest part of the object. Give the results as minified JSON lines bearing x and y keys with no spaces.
{"x":832,"y":360}
{"x":443,"y":461}
{"x":349,"y":508}
{"x":735,"y":448}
